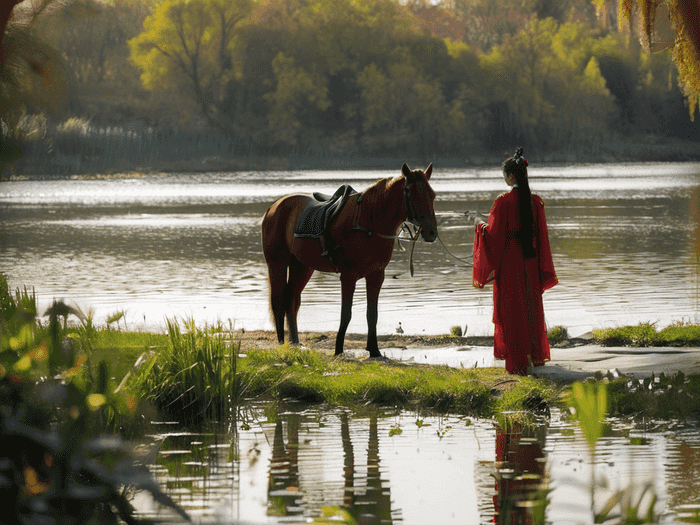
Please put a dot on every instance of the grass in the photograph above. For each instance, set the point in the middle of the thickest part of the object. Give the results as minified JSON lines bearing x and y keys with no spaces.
{"x":308,"y":375}
{"x":197,"y":374}
{"x":680,"y":333}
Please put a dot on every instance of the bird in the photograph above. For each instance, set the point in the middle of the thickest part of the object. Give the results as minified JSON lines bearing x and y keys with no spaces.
{"x":399,"y":330}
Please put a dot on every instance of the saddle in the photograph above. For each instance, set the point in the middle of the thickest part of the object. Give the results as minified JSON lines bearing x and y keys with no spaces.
{"x":316,"y":218}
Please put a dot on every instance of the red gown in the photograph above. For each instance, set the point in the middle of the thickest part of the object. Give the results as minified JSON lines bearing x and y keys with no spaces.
{"x":520,"y":336}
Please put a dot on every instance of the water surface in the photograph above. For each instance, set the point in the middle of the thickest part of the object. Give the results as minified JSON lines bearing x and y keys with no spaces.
{"x":188,"y":245}
{"x":405,"y":467}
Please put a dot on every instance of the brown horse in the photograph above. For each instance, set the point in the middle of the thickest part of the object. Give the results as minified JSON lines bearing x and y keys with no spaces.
{"x":363,"y":235}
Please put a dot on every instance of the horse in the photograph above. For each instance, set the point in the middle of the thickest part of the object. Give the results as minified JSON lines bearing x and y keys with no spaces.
{"x":362,"y":236}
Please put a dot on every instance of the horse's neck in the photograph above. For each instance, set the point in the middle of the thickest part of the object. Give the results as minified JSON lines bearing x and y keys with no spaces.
{"x":385,"y":209}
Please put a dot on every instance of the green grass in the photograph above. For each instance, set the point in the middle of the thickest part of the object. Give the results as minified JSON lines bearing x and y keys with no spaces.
{"x":121,"y":349}
{"x":645,"y":334}
{"x":308,"y":375}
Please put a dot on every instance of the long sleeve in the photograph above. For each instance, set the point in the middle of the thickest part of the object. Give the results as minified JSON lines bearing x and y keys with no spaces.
{"x":489,"y":241}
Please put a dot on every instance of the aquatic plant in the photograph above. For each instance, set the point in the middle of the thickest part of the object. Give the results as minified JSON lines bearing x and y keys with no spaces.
{"x":312,"y":376}
{"x":196,"y":374}
{"x":57,"y":465}
{"x":558,"y":334}
{"x":589,"y":404}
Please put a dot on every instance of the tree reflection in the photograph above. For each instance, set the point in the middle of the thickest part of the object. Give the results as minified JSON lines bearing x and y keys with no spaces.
{"x":521,"y":477}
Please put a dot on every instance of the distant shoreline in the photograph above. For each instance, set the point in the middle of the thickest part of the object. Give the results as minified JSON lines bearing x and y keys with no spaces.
{"x":221,"y":165}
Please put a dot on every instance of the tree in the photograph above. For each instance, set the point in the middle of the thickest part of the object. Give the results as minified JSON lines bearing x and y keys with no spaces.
{"x":33,"y":77}
{"x":684,"y":16}
{"x":192,"y":46}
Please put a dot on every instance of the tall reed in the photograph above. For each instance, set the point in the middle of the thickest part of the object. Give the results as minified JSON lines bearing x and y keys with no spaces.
{"x":195,"y":376}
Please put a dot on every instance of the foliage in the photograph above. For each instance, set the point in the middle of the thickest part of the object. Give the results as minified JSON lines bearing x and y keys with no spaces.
{"x":557,"y":334}
{"x":32,"y":75}
{"x":686,"y":47}
{"x":196,"y":375}
{"x":590,"y":404}
{"x":681,"y":333}
{"x":192,"y":45}
{"x":57,"y":465}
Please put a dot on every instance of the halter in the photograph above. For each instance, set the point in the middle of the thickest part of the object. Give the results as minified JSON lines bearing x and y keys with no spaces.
{"x":410,"y":216}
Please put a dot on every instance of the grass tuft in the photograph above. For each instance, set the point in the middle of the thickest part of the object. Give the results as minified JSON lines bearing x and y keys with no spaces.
{"x":680,"y":333}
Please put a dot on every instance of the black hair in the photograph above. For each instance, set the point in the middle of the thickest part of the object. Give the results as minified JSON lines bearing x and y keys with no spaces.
{"x":517,"y":165}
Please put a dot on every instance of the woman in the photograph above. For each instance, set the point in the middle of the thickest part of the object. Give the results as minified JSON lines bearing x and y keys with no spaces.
{"x":512,"y":250}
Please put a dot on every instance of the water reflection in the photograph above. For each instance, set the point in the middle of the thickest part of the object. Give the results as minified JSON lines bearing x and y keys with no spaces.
{"x":520,"y":472}
{"x":366,"y":498}
{"x":289,"y":463}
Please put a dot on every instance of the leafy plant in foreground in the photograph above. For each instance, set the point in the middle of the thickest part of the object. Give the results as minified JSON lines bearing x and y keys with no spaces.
{"x":56,"y":464}
{"x":589,"y":403}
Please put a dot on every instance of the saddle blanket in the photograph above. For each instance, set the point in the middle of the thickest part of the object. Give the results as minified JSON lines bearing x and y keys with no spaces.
{"x":320,"y":212}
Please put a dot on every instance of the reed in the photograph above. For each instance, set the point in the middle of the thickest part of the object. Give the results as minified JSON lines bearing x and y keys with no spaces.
{"x":196,"y":374}
{"x":57,"y":464}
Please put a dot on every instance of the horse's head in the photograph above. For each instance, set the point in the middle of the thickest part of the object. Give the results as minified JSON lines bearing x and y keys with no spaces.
{"x":419,"y":197}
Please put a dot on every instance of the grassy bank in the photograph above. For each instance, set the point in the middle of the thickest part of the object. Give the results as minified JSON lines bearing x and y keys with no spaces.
{"x":266,"y":370}
{"x":681,"y":333}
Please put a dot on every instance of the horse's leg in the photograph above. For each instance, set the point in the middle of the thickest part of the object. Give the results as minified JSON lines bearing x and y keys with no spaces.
{"x":374,"y":282}
{"x":299,"y":276}
{"x":277,"y":276}
{"x":347,"y":293}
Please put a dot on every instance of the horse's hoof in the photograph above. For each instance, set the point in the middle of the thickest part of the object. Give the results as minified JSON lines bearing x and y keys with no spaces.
{"x":379,"y":357}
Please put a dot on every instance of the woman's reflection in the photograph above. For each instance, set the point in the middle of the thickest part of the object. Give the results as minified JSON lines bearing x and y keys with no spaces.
{"x":521,"y":479}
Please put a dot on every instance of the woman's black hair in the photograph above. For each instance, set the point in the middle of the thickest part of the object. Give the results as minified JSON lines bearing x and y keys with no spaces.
{"x":517,"y":165}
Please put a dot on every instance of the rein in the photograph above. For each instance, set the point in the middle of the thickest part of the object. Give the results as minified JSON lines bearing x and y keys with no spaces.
{"x":405,"y":226}
{"x":410,"y":216}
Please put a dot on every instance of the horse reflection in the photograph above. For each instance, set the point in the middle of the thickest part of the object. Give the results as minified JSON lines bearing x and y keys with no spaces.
{"x":369,"y":503}
{"x":521,"y":478}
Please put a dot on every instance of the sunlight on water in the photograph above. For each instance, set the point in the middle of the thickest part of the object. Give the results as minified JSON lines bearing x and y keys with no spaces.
{"x":287,"y":462}
{"x":177,"y":245}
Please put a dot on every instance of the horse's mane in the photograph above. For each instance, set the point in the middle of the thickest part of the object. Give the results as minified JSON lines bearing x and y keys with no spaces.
{"x":379,"y":188}
{"x":374,"y":213}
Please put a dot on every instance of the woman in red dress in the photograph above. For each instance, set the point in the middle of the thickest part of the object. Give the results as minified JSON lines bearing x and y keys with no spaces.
{"x":512,"y":250}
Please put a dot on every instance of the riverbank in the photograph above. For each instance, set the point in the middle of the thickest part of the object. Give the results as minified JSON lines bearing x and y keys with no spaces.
{"x":574,"y":359}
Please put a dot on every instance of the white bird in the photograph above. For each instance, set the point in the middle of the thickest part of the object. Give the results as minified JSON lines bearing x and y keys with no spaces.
{"x":399,"y":330}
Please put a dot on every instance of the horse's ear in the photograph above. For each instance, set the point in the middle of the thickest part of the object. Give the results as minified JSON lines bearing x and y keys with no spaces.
{"x":428,"y":171}
{"x":405,"y":170}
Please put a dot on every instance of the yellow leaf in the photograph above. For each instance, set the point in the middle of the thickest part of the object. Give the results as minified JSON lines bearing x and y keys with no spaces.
{"x":40,"y":353}
{"x":32,"y":485}
{"x":131,"y":403}
{"x":23,"y":364}
{"x":95,"y":401}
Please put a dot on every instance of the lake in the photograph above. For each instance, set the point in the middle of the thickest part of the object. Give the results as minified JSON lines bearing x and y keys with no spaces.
{"x":181,"y":245}
{"x":287,"y":462}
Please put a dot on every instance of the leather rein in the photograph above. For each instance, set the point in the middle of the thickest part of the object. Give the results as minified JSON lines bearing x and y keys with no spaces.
{"x":410,"y":218}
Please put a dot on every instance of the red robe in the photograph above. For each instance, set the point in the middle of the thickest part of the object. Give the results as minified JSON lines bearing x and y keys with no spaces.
{"x":520,"y":336}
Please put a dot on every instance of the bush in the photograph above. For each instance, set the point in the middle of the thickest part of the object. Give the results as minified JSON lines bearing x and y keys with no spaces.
{"x":56,"y":463}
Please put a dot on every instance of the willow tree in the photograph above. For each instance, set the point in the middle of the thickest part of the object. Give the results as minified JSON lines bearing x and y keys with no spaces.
{"x":190,"y":46}
{"x":684,"y":16}
{"x":32,"y":75}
